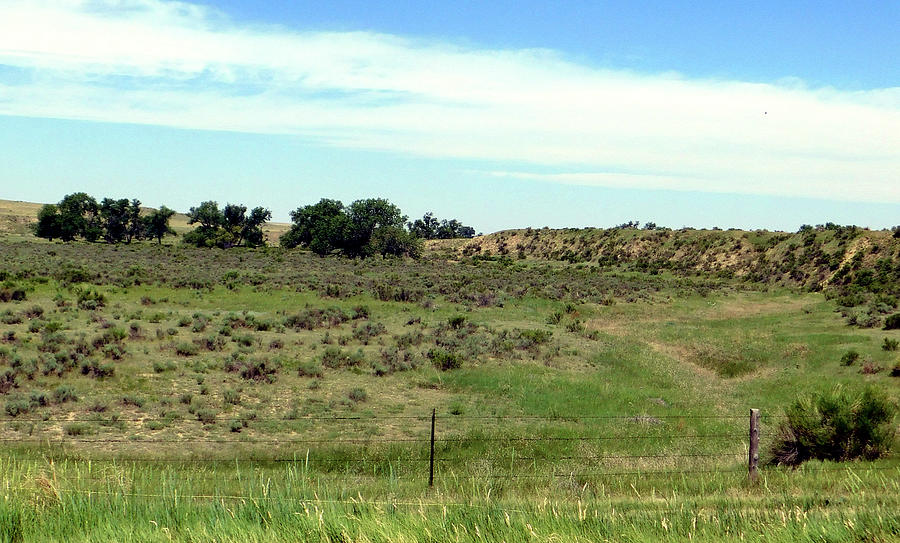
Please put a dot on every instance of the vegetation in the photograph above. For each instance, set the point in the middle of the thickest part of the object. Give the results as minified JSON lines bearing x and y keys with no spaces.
{"x":364,"y":228}
{"x":836,"y":426}
{"x":229,"y":227}
{"x":169,"y":392}
{"x":428,"y":227}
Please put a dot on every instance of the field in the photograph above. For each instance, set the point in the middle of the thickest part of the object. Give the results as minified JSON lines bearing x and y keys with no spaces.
{"x":179,"y":394}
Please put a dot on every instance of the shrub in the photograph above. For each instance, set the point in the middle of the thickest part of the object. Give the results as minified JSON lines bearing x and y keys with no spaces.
{"x":456,"y":322}
{"x":64,"y":393}
{"x":186,"y":349}
{"x":159,"y":366}
{"x":310,"y":369}
{"x":90,"y":299}
{"x":445,"y":360}
{"x":77,"y":429}
{"x":206,"y":416}
{"x":94,"y":369}
{"x":892,"y":322}
{"x":835,"y":426}
{"x":357,"y":395}
{"x":849,"y":358}
{"x":17,"y":407}
{"x":890,"y":344}
{"x":895,"y":372}
{"x":871,"y":368}
{"x":232,"y":396}
{"x":334,"y":357}
{"x":255,"y":370}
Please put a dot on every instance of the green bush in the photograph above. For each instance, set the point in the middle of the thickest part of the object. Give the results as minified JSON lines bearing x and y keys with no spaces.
{"x":445,"y":360}
{"x":64,"y":393}
{"x":835,"y":426}
{"x":890,"y":344}
{"x":849,"y":358}
{"x":357,"y":395}
{"x":892,"y":322}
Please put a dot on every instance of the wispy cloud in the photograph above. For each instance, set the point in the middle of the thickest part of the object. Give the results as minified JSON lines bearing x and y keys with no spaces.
{"x":528,"y":112}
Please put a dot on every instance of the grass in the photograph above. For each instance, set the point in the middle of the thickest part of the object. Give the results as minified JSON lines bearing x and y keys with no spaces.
{"x":574,"y":403}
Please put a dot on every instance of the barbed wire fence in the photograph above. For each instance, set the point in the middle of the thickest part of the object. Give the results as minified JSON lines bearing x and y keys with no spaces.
{"x":442,"y":452}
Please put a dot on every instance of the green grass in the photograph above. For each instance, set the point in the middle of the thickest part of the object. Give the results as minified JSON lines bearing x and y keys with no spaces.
{"x":246,"y":400}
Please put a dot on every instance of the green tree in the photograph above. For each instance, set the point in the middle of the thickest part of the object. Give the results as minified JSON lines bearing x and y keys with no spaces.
{"x":210,"y":219}
{"x":229,"y":227}
{"x":319,"y":227}
{"x":114,"y":218}
{"x":396,"y":241}
{"x":156,"y":224}
{"x":365,"y":218}
{"x":78,"y":214}
{"x":49,"y":223}
{"x":428,"y":227}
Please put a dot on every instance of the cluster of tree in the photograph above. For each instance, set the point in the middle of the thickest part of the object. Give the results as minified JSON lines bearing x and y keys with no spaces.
{"x":364,"y":228}
{"x":230,"y":226}
{"x":429,"y":227}
{"x":79,"y":215}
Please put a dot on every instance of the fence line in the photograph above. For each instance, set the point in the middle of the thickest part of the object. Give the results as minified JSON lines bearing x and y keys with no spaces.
{"x":448,"y":454}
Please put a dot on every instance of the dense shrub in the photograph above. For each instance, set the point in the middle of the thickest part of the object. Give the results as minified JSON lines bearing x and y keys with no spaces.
{"x":835,"y":426}
{"x":892,"y":322}
{"x":445,"y":360}
{"x":890,"y":344}
{"x":849,"y":358}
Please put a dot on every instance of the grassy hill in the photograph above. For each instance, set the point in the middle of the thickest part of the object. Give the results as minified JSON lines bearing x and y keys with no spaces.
{"x":588,"y":385}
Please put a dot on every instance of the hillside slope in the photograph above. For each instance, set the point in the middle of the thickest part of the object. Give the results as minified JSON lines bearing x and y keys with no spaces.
{"x":813,"y":258}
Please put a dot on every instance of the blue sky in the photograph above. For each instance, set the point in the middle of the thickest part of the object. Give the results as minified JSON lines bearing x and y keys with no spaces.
{"x":501,"y":114}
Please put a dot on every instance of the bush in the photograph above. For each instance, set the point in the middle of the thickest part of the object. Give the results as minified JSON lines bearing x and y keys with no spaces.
{"x":445,"y":360}
{"x":892,"y":322}
{"x":94,"y":369}
{"x":357,"y":395}
{"x":835,"y":426}
{"x":890,"y":344}
{"x":849,"y":358}
{"x":64,"y":393}
{"x":310,"y":369}
{"x":186,"y":349}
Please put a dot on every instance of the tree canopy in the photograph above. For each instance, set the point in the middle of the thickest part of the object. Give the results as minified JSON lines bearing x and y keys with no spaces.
{"x":228,"y":227}
{"x":428,"y":227}
{"x":78,"y":215}
{"x":364,"y":228}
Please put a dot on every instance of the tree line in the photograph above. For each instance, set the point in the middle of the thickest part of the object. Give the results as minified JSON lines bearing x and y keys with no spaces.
{"x":364,"y":228}
{"x":79,"y":215}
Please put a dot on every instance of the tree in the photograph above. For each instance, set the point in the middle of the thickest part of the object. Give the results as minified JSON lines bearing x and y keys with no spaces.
{"x":135,"y":229}
{"x":230,"y":227}
{"x":156,"y":224}
{"x":114,"y":219}
{"x":319,"y":227}
{"x":395,"y":241}
{"x":251,"y":230}
{"x":49,"y":223}
{"x":78,"y":214}
{"x":208,"y":216}
{"x":365,"y":218}
{"x":428,"y":227}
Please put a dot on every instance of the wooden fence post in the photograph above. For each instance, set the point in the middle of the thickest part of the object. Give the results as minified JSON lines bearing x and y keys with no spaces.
{"x":753,"y":460}
{"x":431,"y":456}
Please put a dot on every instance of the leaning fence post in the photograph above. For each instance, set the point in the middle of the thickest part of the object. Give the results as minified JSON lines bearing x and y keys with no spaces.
{"x":431,"y":456}
{"x":753,"y":460}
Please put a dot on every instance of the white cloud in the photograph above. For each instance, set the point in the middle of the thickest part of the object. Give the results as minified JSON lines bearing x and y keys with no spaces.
{"x":175,"y":64}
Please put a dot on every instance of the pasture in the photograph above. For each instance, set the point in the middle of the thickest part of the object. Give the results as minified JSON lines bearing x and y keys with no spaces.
{"x":173,"y":393}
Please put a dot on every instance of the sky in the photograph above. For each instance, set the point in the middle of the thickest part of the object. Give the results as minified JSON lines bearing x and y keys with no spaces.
{"x":500,"y":114}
